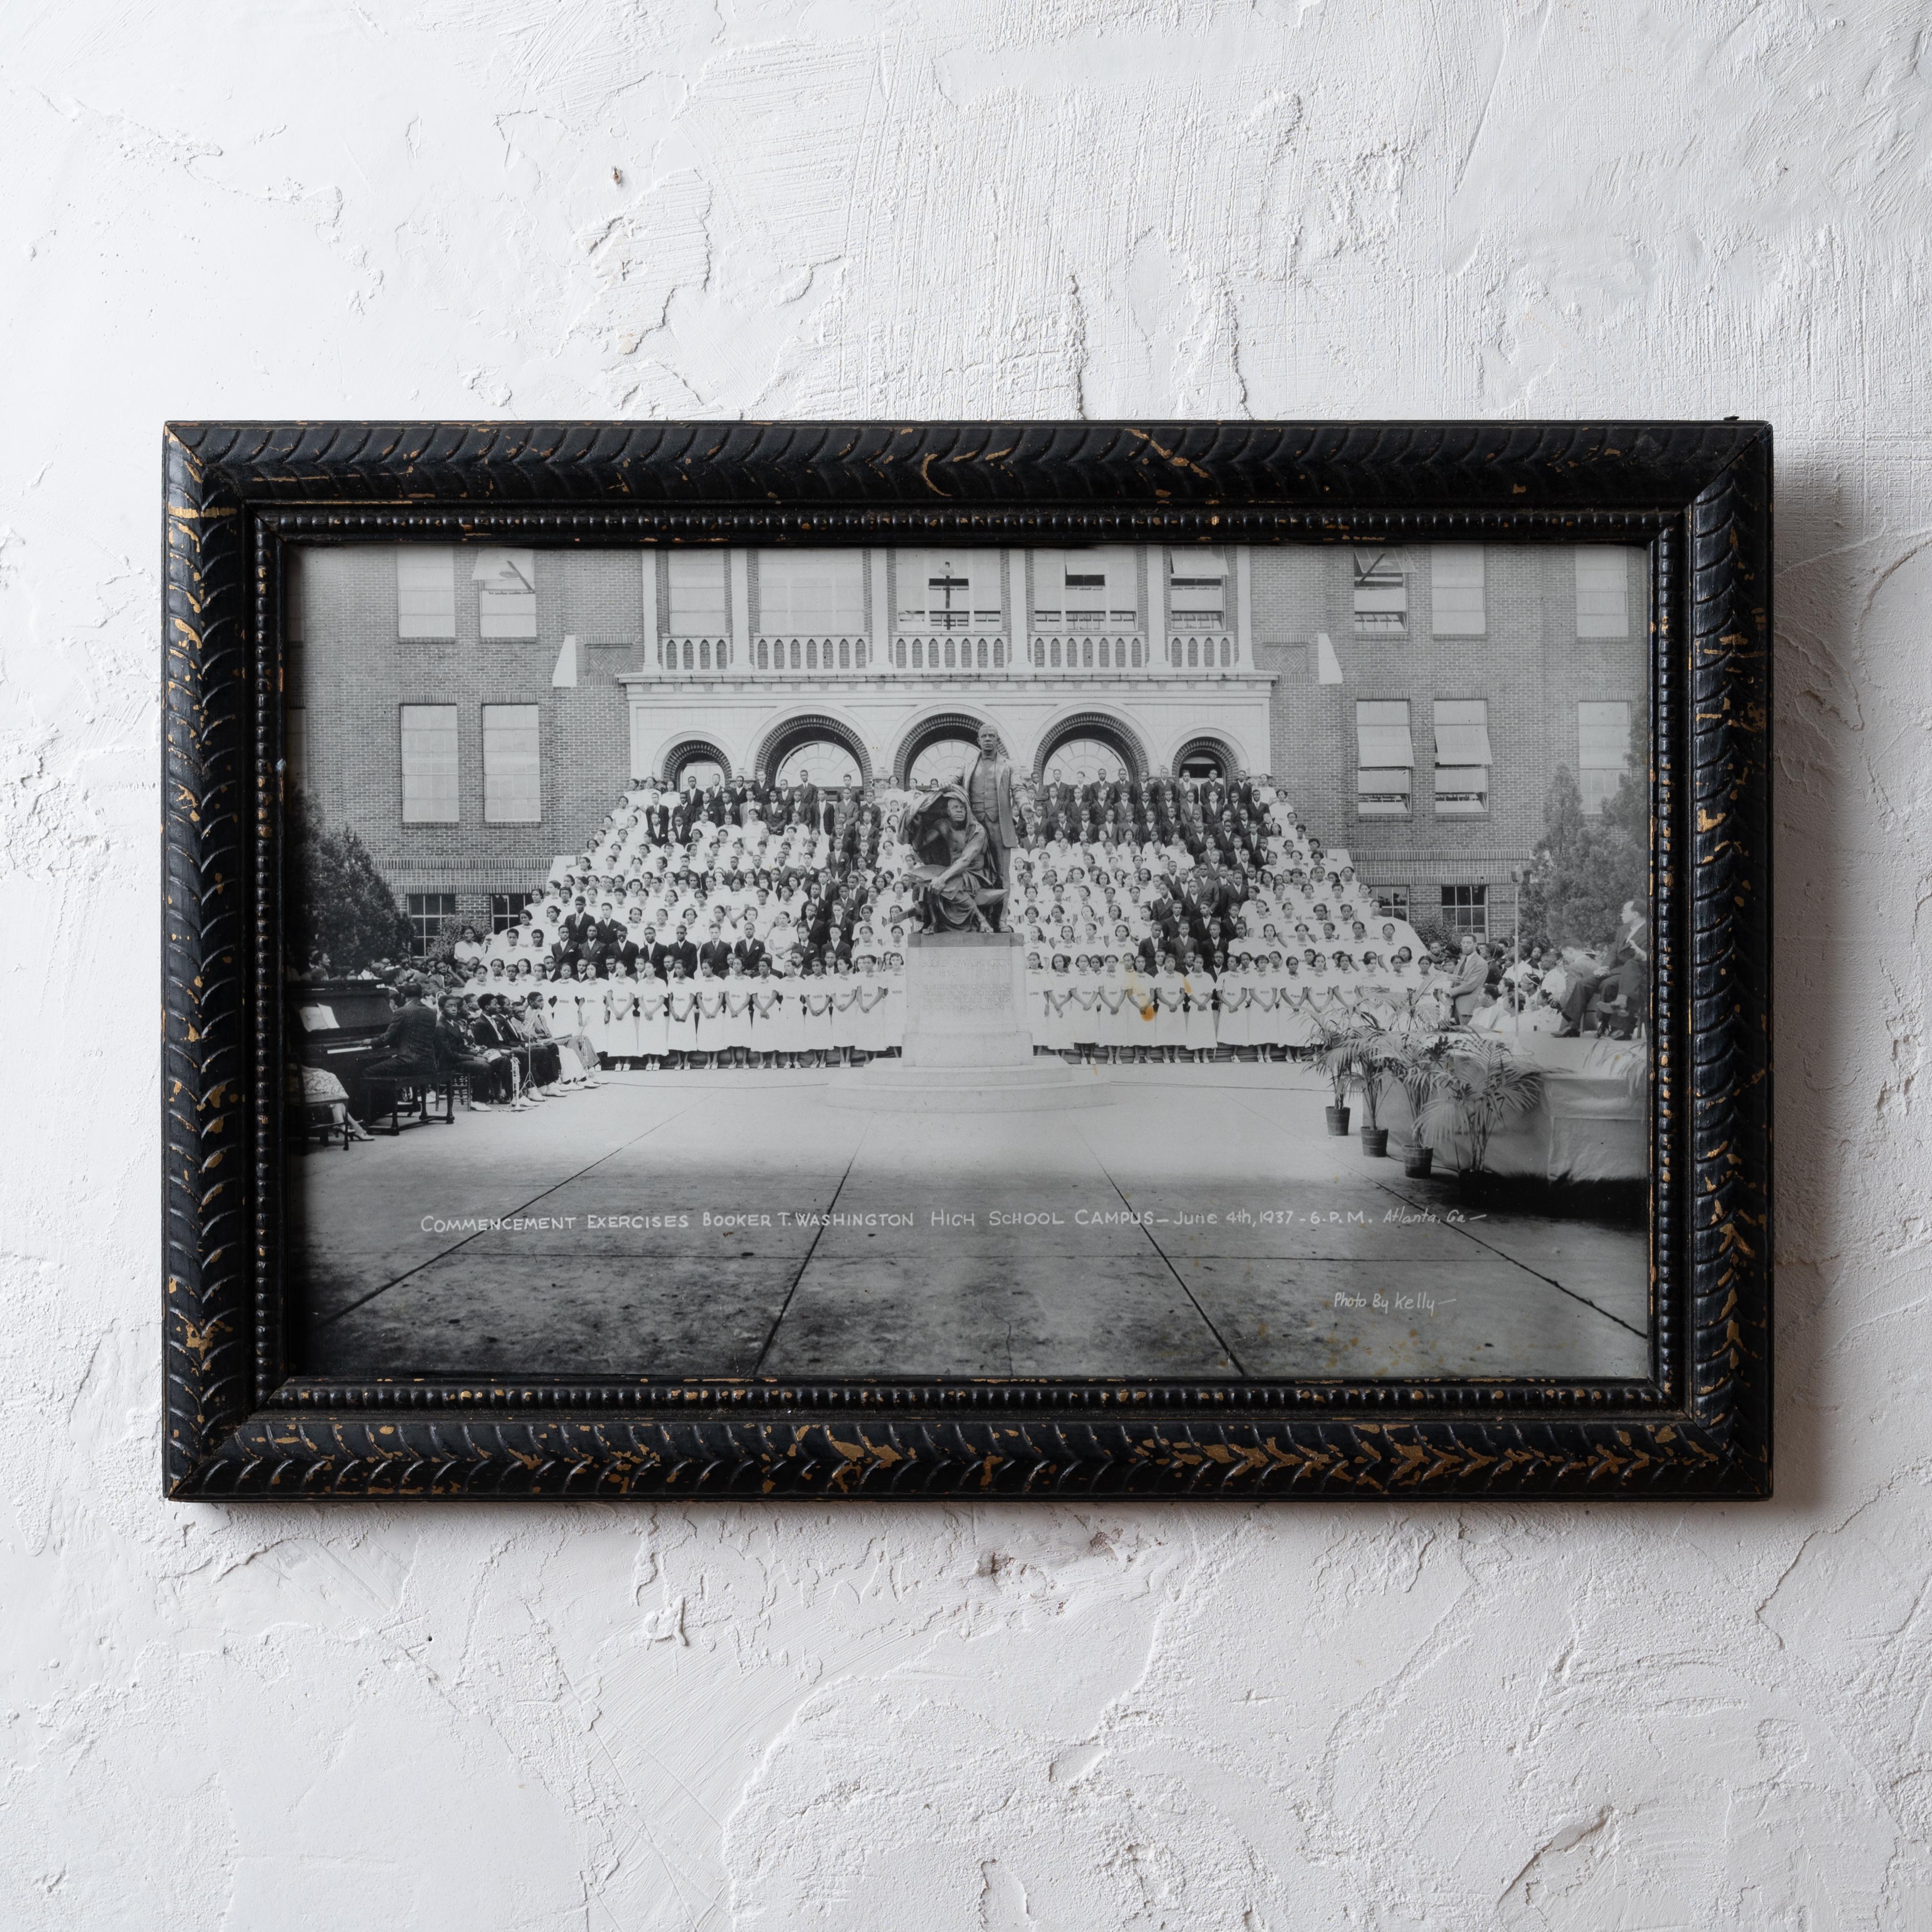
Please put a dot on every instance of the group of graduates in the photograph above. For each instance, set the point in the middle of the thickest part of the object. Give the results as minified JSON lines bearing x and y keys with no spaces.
{"x":749,"y":925}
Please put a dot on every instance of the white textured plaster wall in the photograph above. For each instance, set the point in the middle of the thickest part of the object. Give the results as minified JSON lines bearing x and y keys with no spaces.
{"x":922,"y":1719}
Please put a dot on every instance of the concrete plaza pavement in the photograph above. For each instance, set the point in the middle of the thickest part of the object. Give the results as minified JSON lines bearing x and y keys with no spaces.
{"x":734,"y":1223}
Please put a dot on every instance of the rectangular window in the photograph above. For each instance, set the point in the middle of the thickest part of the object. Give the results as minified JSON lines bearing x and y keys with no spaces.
{"x":505,"y":908}
{"x":294,"y":745}
{"x":1602,"y":592}
{"x":1602,"y":751}
{"x":1466,"y":909}
{"x":1462,"y":759}
{"x":1391,"y":901}
{"x":429,"y":764}
{"x":1455,"y":598}
{"x":1085,"y":589}
{"x":425,"y":593}
{"x":506,"y":592}
{"x":948,"y":590}
{"x":1384,"y":758}
{"x":426,"y":912}
{"x":814,"y":592}
{"x":512,"y":764}
{"x":700,"y":593}
{"x":1381,"y":592}
{"x":1197,"y":590}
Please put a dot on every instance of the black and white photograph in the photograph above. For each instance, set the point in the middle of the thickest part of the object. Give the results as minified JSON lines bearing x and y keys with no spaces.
{"x":1131,"y":961}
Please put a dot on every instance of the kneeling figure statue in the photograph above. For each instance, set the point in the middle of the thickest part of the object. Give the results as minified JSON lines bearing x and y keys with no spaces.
{"x":958,"y":876}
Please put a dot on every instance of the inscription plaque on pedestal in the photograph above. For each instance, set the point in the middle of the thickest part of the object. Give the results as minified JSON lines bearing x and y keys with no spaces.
{"x":966,"y":1001}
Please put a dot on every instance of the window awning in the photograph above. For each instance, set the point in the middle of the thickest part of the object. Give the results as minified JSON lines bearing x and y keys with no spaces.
{"x":1377,"y":745}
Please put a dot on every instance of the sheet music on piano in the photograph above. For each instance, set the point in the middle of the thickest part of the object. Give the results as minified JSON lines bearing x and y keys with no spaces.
{"x":316,"y":1019}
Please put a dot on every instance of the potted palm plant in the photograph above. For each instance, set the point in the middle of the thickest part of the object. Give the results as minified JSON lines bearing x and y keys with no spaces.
{"x":1482,"y":1085}
{"x":1356,"y":1060}
{"x":1417,"y":1056}
{"x":1331,"y":1042}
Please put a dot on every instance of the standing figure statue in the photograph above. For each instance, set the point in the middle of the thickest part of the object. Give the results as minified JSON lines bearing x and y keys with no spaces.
{"x":957,"y":878}
{"x":989,"y":786}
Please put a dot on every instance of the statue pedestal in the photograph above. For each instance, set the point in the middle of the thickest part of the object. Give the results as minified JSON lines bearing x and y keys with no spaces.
{"x":966,"y":1001}
{"x":968,"y":1048}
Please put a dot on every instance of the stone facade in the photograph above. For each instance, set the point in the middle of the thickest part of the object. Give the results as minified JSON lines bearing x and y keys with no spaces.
{"x":1275,"y":684}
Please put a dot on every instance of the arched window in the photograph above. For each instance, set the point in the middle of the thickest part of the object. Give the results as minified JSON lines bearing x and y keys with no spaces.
{"x":764,"y":654}
{"x":861,"y":653}
{"x":1193,"y":652}
{"x":952,"y":656}
{"x":1173,"y":651}
{"x":845,"y":654}
{"x":688,"y":659}
{"x":999,"y":653}
{"x":794,"y":654}
{"x":918,"y":654}
{"x":898,"y":654}
{"x":1056,"y":653}
{"x":1227,"y":653}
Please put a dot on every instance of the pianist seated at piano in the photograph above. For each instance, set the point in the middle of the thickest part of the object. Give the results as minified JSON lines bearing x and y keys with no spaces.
{"x":409,"y":1049}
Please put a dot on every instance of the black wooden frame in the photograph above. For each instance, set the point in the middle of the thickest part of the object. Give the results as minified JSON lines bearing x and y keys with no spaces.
{"x":238,"y":1427}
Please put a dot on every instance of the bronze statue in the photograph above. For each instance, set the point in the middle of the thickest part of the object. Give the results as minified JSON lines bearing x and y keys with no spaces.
{"x":988,"y":787}
{"x":958,"y":875}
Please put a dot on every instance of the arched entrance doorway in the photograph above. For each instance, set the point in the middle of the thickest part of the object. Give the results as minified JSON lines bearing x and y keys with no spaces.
{"x":1204,"y":758}
{"x":1080,"y":759}
{"x":695,"y":760}
{"x":831,"y":752}
{"x":1090,"y":741}
{"x":938,"y":750}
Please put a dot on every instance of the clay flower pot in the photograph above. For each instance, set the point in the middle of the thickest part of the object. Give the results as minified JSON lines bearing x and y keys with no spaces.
{"x":1375,"y":1142}
{"x":1338,"y":1120}
{"x":1417,"y":1162}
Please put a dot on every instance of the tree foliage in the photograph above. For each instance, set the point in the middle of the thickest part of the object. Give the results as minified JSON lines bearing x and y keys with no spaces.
{"x":1584,"y":869}
{"x":339,"y":904}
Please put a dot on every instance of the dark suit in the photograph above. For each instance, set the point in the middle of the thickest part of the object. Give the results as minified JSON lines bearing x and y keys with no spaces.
{"x":716,"y":953}
{"x":1588,"y":989}
{"x":606,"y":936}
{"x":409,"y":1043}
{"x":751,"y":951}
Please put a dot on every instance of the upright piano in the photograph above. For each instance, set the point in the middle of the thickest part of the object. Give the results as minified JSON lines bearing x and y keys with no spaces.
{"x":338,"y":1025}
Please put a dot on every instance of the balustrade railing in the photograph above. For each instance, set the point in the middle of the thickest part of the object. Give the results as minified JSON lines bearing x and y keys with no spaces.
{"x":698,"y":656}
{"x":1111,"y":653}
{"x":1204,"y":650}
{"x":772,"y":651}
{"x":958,"y":652}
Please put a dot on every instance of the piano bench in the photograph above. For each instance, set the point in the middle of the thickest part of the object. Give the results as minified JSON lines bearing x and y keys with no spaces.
{"x":316,"y":1117}
{"x":404,"y":1093}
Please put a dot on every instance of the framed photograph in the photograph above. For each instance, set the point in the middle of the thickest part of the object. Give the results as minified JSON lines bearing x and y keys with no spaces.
{"x":1018,"y":959}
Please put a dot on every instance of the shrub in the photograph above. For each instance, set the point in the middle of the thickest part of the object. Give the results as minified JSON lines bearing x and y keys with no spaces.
{"x":339,"y":904}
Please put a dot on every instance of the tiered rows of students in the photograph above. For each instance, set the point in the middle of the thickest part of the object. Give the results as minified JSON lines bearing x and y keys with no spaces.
{"x":748,"y":925}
